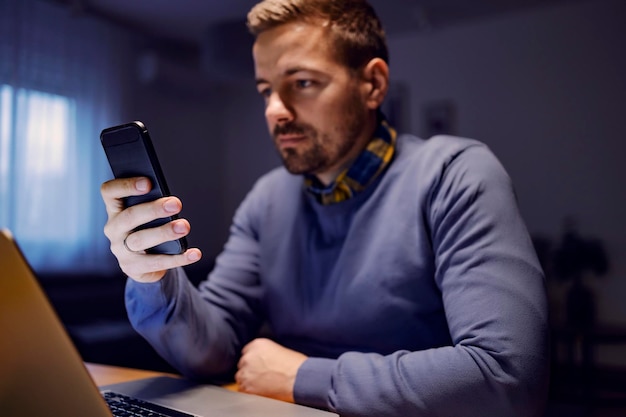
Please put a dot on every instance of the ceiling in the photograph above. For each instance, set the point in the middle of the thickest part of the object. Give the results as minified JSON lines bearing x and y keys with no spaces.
{"x":189,"y":20}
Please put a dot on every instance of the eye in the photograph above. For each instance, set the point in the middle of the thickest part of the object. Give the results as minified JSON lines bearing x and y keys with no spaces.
{"x":302,"y":84}
{"x":265,"y":92}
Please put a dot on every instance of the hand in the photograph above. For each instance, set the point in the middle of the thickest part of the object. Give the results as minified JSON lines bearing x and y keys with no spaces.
{"x":131,"y":255}
{"x":269,"y":369}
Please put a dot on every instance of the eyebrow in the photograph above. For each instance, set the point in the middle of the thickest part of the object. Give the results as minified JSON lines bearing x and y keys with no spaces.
{"x":288,"y":72}
{"x":294,"y":70}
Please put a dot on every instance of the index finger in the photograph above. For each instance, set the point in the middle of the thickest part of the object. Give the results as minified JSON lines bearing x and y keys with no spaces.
{"x":115,"y":190}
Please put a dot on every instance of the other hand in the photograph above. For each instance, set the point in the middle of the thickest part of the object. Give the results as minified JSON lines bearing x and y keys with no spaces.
{"x":128,"y":246}
{"x":269,"y":369}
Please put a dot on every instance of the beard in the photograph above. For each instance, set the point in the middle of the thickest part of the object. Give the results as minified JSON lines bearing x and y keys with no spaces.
{"x":307,"y":158}
{"x":319,"y":151}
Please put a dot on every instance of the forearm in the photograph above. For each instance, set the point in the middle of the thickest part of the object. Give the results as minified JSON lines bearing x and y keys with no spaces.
{"x":201,"y":331}
{"x":174,"y":318}
{"x":447,"y":381}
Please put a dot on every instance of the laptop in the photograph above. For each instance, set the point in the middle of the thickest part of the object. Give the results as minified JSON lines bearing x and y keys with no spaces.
{"x":42,"y":373}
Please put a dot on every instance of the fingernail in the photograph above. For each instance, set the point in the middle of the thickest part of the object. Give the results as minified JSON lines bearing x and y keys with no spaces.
{"x":171,"y":206}
{"x":142,"y":185}
{"x":193,"y":256}
{"x":179,"y":228}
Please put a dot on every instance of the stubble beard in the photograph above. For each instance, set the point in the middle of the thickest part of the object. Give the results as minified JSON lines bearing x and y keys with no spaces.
{"x":308,"y":157}
{"x":322,"y":151}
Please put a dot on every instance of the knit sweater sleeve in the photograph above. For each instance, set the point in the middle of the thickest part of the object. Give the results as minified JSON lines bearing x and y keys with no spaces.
{"x":201,"y":331}
{"x":493,"y":294}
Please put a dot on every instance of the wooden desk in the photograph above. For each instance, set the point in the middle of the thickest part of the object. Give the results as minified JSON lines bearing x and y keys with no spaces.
{"x":108,"y":374}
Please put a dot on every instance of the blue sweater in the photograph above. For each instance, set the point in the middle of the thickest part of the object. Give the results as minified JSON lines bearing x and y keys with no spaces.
{"x":420,"y":296}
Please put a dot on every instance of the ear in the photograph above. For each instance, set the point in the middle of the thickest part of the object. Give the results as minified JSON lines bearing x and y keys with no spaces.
{"x":375,"y":82}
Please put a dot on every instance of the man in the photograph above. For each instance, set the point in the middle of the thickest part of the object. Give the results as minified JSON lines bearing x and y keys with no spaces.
{"x":395,"y":274}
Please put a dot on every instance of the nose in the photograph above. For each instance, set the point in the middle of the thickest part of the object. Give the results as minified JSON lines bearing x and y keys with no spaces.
{"x":277,"y":111}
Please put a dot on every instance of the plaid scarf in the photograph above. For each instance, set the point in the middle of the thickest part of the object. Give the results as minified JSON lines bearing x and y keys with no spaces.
{"x":365,"y":169}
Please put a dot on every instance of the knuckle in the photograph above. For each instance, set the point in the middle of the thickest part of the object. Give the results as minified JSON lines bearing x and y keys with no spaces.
{"x":111,"y":188}
{"x":104,"y":187}
{"x":107,"y":230}
{"x":112,"y":249}
{"x":108,"y":187}
{"x":126,"y":215}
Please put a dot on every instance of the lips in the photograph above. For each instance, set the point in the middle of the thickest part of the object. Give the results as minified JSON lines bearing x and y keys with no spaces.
{"x":289,"y":140}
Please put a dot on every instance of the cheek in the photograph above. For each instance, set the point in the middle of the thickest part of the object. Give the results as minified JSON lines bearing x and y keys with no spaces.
{"x":270,"y":124}
{"x":328,"y":116}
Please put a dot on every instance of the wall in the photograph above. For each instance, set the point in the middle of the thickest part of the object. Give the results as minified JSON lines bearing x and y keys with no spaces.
{"x":188,"y":138}
{"x":545,"y":89}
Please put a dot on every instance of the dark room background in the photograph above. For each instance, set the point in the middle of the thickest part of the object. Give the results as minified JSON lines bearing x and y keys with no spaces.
{"x":543,"y":86}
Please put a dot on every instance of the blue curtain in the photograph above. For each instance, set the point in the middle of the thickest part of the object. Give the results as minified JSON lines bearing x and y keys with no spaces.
{"x":61,"y":78}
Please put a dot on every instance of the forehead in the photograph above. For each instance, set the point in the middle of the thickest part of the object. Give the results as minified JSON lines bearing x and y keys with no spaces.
{"x":279,"y":50}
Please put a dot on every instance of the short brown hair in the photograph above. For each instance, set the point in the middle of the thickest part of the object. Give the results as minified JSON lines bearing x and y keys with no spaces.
{"x":358,"y":34}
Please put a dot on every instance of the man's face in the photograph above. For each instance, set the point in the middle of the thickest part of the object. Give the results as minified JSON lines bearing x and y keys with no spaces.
{"x":314,"y":106}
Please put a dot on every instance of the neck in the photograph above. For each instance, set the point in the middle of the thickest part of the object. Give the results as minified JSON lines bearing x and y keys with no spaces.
{"x":329,"y":175}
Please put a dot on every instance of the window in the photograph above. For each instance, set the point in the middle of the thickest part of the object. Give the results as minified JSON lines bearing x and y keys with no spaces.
{"x":62,"y":78}
{"x":45,"y":194}
{"x":43,"y":138}
{"x":5,"y":132}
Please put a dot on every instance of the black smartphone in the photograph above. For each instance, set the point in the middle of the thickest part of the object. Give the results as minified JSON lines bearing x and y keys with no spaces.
{"x":130,"y":152}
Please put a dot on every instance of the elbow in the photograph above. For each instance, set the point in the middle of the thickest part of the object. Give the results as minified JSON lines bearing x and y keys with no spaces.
{"x":521,"y":385}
